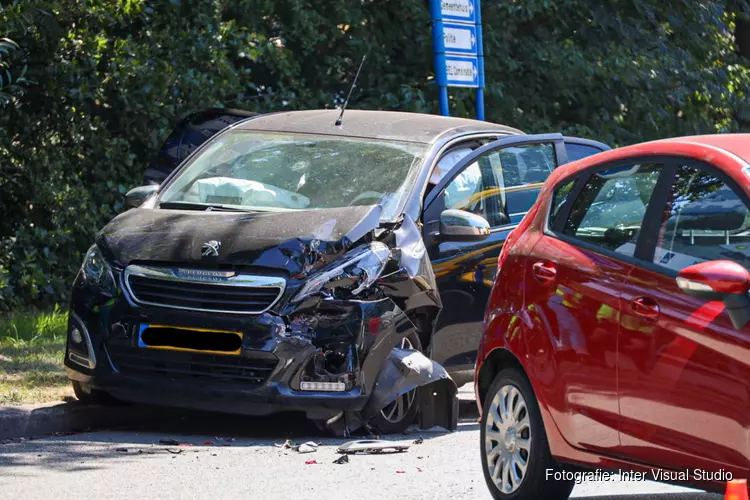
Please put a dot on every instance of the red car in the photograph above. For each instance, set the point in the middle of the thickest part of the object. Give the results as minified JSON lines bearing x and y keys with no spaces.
{"x":616,"y":336}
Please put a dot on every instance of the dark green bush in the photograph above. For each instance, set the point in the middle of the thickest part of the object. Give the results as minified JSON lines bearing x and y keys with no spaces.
{"x":94,"y":86}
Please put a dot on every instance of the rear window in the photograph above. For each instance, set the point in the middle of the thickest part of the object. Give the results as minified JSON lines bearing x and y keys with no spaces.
{"x":580,"y":151}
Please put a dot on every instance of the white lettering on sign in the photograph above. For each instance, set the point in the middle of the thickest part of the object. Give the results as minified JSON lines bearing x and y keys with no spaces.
{"x":459,"y":39}
{"x":458,"y":8}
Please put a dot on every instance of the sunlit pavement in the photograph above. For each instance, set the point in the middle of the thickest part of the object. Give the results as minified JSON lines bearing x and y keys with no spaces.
{"x":238,"y":457}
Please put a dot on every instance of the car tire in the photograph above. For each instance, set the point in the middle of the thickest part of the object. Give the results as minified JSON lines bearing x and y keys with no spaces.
{"x":88,"y":396}
{"x":520,"y":441}
{"x":394,"y":419}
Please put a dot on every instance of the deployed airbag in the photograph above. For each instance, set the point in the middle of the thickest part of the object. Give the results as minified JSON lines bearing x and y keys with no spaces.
{"x":229,"y":191}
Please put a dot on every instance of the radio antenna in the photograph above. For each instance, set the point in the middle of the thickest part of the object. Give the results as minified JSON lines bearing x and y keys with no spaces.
{"x":354,"y":84}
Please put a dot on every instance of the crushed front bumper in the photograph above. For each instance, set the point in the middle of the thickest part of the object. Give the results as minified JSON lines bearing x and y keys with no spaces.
{"x":277,"y":354}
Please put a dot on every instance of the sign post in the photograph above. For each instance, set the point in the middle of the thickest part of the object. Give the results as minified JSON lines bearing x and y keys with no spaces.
{"x":457,"y":44}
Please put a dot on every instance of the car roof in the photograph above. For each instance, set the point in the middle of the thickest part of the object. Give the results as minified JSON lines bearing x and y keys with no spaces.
{"x":385,"y":125}
{"x":731,"y":150}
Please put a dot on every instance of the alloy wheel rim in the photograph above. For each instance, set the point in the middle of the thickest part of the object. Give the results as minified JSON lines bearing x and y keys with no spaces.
{"x":507,"y":441}
{"x":396,"y":411}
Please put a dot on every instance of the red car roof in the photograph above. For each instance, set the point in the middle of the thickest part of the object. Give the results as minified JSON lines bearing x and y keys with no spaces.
{"x":731,"y":152}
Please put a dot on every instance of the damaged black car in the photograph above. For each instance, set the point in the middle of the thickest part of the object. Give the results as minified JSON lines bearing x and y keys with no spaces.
{"x":293,"y":264}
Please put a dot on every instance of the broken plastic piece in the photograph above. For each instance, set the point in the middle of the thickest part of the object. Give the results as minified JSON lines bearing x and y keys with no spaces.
{"x":408,"y":369}
{"x":286,"y":445}
{"x":306,"y":448}
{"x":372,"y":446}
{"x":311,"y":462}
{"x":343,"y":459}
{"x":411,"y":245}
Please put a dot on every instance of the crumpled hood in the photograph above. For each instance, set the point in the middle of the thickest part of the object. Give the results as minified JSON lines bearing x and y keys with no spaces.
{"x":295,"y":242}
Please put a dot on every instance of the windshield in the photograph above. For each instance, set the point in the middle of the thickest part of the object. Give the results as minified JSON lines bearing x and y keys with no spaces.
{"x":269,"y":171}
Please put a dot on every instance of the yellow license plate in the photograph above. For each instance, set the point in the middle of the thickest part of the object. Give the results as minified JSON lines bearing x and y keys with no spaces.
{"x":178,"y":338}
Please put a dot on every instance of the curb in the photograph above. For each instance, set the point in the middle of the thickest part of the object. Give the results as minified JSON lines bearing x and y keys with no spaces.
{"x":38,"y":420}
{"x":63,"y":417}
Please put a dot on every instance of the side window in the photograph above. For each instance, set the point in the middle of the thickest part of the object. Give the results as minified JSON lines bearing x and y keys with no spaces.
{"x":580,"y":151}
{"x":559,"y":197}
{"x":609,"y":210}
{"x":502,"y":185}
{"x":704,"y":220}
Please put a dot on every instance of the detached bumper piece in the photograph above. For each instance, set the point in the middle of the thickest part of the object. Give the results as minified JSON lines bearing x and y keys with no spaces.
{"x":406,"y":370}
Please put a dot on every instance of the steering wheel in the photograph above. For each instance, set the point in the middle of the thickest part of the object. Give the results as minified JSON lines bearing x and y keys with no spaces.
{"x":367,"y":195}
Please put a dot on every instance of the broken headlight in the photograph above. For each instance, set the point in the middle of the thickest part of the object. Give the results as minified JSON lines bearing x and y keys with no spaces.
{"x":96,"y":271}
{"x":358,"y":269}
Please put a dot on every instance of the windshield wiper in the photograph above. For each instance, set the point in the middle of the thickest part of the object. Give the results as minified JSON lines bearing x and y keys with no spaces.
{"x":186,"y":205}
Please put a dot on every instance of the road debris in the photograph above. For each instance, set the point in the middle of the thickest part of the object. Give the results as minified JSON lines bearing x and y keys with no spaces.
{"x":174,"y":452}
{"x":419,"y":440}
{"x":308,"y":447}
{"x":371,"y":447}
{"x":343,"y":459}
{"x":400,"y":472}
{"x":287,"y":445}
{"x":311,"y":462}
{"x":121,"y":450}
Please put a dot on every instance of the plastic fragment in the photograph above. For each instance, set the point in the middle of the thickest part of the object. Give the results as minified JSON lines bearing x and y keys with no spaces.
{"x":311,"y":462}
{"x":306,"y":448}
{"x":343,"y":459}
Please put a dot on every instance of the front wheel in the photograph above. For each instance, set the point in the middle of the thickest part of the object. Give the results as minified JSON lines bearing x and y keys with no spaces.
{"x":514,"y":449}
{"x":397,"y":416}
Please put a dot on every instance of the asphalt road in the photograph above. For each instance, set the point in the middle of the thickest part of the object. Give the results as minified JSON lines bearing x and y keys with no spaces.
{"x":235,"y":457}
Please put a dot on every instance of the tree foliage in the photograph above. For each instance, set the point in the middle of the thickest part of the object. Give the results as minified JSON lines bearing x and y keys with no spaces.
{"x":90,"y":88}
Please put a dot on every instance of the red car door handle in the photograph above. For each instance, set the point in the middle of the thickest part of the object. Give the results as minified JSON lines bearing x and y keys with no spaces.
{"x":645,"y":307}
{"x":544,"y":272}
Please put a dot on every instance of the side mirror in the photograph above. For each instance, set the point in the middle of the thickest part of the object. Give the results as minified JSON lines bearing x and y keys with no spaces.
{"x":135,"y":197}
{"x":459,"y":225}
{"x":719,"y":280}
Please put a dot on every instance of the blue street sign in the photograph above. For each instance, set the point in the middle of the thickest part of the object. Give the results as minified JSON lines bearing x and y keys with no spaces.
{"x":461,"y":71}
{"x":460,"y":38}
{"x":457,"y":48}
{"x":459,"y":10}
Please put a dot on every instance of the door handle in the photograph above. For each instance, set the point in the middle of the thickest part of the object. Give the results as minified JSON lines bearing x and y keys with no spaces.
{"x":544,"y":272}
{"x":645,"y":307}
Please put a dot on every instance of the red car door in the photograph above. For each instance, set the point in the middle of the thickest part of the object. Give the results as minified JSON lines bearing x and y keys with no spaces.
{"x":684,"y":370}
{"x":573,"y":278}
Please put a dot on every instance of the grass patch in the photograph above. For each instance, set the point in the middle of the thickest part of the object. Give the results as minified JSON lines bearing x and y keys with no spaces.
{"x":32,"y":347}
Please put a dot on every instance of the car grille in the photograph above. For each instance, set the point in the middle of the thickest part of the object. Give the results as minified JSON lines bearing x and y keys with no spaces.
{"x":196,"y":290}
{"x":254,"y":369}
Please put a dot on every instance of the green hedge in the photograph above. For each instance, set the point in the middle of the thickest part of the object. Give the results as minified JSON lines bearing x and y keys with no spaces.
{"x":94,"y":87}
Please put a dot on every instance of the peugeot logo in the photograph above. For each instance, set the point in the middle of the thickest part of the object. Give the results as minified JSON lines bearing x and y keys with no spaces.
{"x":211,"y":248}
